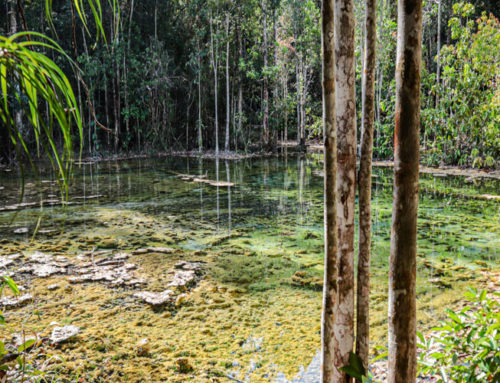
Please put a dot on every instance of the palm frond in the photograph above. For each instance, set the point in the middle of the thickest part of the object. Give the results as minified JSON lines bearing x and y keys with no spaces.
{"x":29,"y":78}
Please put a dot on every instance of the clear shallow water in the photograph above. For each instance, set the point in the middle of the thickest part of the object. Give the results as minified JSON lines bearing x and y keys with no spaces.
{"x":274,"y":214}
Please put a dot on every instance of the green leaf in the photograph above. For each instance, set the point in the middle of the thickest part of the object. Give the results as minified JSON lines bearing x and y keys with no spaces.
{"x":12,"y":285}
{"x":26,"y":345}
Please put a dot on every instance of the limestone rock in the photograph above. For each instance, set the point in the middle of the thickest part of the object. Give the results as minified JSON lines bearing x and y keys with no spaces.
{"x":156,"y":299}
{"x":10,"y":302}
{"x":61,"y":334}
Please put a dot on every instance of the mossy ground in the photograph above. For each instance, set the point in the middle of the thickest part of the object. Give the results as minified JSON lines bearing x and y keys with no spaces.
{"x":262,"y":244}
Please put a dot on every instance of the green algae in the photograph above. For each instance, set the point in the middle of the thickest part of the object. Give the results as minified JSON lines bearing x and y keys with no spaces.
{"x":262,"y":244}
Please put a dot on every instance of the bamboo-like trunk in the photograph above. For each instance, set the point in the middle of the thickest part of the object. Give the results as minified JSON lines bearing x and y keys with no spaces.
{"x":402,"y":269}
{"x":330,"y":190}
{"x":228,"y":117}
{"x":345,"y":104}
{"x":365,"y":186}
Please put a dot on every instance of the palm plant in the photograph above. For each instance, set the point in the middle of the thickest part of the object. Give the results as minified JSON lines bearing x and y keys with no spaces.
{"x":30,"y":79}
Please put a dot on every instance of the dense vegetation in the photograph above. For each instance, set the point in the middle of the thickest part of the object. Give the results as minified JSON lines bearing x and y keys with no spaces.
{"x":152,"y":78}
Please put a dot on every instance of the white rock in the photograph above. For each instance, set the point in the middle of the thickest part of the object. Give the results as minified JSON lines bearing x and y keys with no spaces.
{"x":156,"y":299}
{"x":61,"y":334}
{"x":182,"y":278}
{"x":10,"y":302}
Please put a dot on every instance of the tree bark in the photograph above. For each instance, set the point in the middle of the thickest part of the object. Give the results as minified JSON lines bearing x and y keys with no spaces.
{"x":214,"y":53}
{"x":438,"y":48}
{"x":402,"y":272}
{"x":240,"y":83}
{"x":365,"y":186}
{"x":228,"y":117}
{"x":330,"y":191}
{"x":200,"y":138}
{"x":18,"y":116}
{"x":265,"y":100}
{"x":346,"y":180}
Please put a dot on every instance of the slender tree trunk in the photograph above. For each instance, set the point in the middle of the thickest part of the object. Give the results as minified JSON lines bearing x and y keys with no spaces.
{"x":12,"y":17}
{"x":125,"y":70}
{"x":438,"y":48}
{"x":275,"y":64}
{"x":214,"y":54}
{"x":298,"y":93}
{"x":265,"y":99}
{"x":330,"y":289}
{"x":156,"y":20}
{"x":200,"y":137}
{"x":365,"y":186}
{"x":402,"y":272}
{"x":240,"y":83}
{"x":345,"y":104}
{"x":303,"y":103}
{"x":228,"y":117}
{"x":18,"y":116}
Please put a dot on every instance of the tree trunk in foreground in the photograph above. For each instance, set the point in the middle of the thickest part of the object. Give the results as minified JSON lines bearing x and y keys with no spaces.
{"x":345,"y":104}
{"x":330,"y":169}
{"x":402,"y":272}
{"x":365,"y":187}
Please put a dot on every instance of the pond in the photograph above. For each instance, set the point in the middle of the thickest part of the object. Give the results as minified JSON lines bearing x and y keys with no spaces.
{"x":252,"y":309}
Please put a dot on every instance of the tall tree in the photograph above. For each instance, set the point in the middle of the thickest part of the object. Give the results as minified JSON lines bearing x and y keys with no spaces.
{"x":265,"y":99}
{"x":200,"y":137}
{"x":365,"y":186}
{"x":402,"y":272}
{"x":214,"y":56}
{"x":12,"y":31}
{"x":345,"y":104}
{"x":330,"y":185}
{"x":228,"y":117}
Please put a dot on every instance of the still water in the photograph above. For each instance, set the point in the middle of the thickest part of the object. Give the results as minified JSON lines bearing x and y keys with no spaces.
{"x":260,"y":241}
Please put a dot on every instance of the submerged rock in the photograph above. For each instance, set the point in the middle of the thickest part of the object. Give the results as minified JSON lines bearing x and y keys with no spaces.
{"x":10,"y":302}
{"x":182,"y":279}
{"x":62,"y":334}
{"x":161,"y":250}
{"x":43,"y":271}
{"x":156,"y":299}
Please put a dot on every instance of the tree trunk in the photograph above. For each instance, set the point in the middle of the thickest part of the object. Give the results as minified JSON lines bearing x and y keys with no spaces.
{"x":346,"y":180}
{"x":228,"y":117}
{"x":438,"y":48}
{"x":330,"y":213}
{"x":265,"y":99}
{"x":125,"y":71}
{"x":402,"y":272}
{"x":18,"y":116}
{"x":200,"y":138}
{"x":214,"y":54}
{"x":240,"y":83}
{"x":365,"y":186}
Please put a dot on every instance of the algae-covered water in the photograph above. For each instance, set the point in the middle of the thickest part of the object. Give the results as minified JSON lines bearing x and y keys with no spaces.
{"x":253,"y":312}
